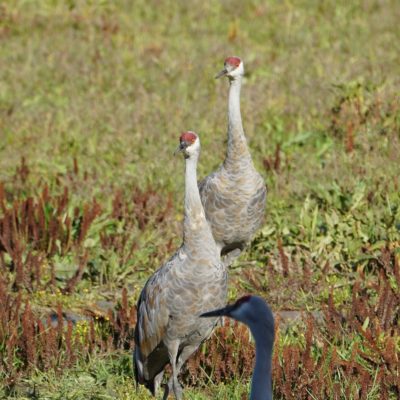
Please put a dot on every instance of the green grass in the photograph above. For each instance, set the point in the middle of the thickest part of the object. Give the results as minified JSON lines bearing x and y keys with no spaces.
{"x":107,"y":378}
{"x":112,"y":85}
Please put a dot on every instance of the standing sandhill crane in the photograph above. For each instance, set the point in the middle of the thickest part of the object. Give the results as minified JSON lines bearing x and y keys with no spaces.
{"x":256,"y":314}
{"x":234,"y":196}
{"x":168,"y":328}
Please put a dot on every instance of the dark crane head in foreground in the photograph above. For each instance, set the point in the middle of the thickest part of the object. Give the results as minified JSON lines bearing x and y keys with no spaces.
{"x":256,"y":314}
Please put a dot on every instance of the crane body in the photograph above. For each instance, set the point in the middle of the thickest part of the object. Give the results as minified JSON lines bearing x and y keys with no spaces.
{"x":168,"y":328}
{"x":234,"y":196}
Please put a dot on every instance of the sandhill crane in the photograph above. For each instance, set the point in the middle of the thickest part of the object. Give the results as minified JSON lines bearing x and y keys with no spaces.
{"x":168,"y":328}
{"x":256,"y":314}
{"x":234,"y":196}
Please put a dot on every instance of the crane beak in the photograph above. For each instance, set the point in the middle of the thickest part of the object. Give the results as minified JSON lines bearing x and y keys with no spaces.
{"x":226,"y":311}
{"x":221,"y":73}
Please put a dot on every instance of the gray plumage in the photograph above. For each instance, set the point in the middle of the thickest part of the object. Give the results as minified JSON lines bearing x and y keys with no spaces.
{"x":168,"y":328}
{"x":256,"y":314}
{"x":234,"y":196}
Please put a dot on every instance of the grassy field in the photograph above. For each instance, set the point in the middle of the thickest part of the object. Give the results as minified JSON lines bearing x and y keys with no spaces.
{"x":93,"y":97}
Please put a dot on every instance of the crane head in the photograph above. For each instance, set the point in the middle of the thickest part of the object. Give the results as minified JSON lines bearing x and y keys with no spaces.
{"x":251,"y":310}
{"x":189,"y":144}
{"x":233,"y":67}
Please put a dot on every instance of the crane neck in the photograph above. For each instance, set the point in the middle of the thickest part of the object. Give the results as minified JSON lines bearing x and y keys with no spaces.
{"x":261,"y":383}
{"x":237,"y":145}
{"x":195,"y":226}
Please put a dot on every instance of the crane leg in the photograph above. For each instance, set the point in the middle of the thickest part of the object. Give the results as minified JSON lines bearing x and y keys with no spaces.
{"x":158,"y":380}
{"x":227,"y":259}
{"x":173,"y":384}
{"x":186,"y":353}
{"x":173,"y":381}
{"x":167,"y":388}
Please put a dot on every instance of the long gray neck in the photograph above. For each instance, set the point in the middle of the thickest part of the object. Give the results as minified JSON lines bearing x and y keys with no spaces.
{"x":195,"y":227}
{"x":237,"y":144}
{"x":261,"y":383}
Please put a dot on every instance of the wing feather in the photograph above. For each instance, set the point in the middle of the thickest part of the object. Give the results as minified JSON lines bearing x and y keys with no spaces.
{"x":152,"y":322}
